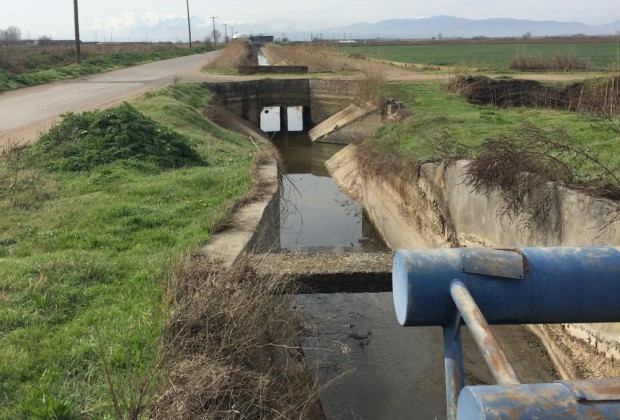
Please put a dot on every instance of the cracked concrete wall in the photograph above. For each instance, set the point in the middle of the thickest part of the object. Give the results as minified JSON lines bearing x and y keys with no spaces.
{"x":431,"y":207}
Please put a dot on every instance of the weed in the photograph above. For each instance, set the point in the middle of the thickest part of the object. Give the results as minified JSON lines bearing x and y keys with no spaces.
{"x":84,"y":141}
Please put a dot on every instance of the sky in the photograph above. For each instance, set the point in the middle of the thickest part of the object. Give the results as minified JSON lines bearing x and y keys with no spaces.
{"x":122,"y":18}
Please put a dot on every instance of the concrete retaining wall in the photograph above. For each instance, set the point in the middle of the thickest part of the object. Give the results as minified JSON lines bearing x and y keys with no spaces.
{"x":430,"y":207}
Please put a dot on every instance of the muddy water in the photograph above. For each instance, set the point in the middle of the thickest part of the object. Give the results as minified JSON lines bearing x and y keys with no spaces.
{"x":315,"y":216}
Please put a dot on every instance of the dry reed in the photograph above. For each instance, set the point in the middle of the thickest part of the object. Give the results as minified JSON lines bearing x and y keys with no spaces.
{"x":237,"y":53}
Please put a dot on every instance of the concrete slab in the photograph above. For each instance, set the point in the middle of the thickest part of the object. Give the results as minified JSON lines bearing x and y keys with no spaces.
{"x":338,"y":121}
{"x":330,"y":272}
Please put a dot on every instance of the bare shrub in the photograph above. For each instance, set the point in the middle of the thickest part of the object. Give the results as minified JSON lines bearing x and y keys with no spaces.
{"x":521,"y":165}
{"x":237,"y":53}
{"x":233,"y":351}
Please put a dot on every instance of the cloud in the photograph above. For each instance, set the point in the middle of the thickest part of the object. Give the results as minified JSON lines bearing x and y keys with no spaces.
{"x":128,"y":21}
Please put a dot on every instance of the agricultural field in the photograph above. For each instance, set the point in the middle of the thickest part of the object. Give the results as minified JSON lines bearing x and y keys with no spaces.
{"x":602,"y":56}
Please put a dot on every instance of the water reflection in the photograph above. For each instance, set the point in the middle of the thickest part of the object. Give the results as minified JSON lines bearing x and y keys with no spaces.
{"x":315,"y":216}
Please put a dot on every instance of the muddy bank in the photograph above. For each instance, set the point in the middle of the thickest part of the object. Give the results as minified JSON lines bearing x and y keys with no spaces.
{"x":429,"y":206}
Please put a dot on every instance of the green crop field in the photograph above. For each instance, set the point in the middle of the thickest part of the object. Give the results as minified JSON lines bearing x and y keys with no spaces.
{"x":486,"y":55}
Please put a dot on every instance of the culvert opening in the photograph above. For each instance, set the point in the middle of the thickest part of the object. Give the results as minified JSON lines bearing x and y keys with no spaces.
{"x":278,"y":119}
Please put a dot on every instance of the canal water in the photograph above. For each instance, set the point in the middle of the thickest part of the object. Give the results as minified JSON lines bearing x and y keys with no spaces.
{"x":365,"y":365}
{"x":315,"y":216}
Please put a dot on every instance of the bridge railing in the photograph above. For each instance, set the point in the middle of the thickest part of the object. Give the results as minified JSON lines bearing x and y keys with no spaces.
{"x":479,"y":287}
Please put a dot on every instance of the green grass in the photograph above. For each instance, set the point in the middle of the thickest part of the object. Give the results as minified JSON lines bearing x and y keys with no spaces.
{"x":96,"y":64}
{"x":487,"y":56}
{"x":87,"y":253}
{"x":434,"y":111}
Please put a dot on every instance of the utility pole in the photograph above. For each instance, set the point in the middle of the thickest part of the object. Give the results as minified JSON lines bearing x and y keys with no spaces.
{"x":76,"y":20}
{"x":232,"y":33}
{"x":225,"y":33}
{"x":214,"y":37}
{"x":189,"y":25}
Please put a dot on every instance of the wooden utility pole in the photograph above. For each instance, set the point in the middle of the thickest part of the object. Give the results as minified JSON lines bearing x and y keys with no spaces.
{"x":76,"y":20}
{"x":189,"y":25}
{"x":214,"y":35}
{"x":226,"y":33}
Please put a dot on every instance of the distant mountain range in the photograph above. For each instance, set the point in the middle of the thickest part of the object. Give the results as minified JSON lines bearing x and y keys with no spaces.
{"x":423,"y":28}
{"x":453,"y":27}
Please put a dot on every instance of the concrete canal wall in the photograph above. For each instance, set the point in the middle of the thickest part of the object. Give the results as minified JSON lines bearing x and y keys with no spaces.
{"x":430,"y":206}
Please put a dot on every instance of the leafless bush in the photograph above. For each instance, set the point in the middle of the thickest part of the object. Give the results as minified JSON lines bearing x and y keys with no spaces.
{"x":520,"y":166}
{"x":536,"y":62}
{"x":237,"y":53}
{"x":233,"y":350}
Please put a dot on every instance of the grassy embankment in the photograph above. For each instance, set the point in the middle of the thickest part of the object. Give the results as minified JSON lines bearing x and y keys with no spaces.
{"x":602,"y":56}
{"x":435,"y":112}
{"x":87,"y":241}
{"x":28,"y":66}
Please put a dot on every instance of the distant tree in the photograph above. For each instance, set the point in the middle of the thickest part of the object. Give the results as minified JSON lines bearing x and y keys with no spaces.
{"x":10,"y":35}
{"x":216,"y":35}
{"x":207,"y":39}
{"x":45,"y":40}
{"x":527,"y":35}
{"x":439,"y":35}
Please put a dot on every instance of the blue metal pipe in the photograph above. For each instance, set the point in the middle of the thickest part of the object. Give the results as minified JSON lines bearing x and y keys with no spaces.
{"x":453,"y":363}
{"x":522,"y":286}
{"x":598,"y":399}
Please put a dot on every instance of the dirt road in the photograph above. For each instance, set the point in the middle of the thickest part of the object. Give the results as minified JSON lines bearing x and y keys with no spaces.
{"x":25,"y":113}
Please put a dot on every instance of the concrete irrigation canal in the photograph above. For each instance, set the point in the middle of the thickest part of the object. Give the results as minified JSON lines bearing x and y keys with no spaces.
{"x":338,"y":247}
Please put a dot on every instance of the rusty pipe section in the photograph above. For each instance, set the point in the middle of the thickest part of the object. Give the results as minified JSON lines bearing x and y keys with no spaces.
{"x":496,"y":360}
{"x":517,"y":286}
{"x":598,"y":399}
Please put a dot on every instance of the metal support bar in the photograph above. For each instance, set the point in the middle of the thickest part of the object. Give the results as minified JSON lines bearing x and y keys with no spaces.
{"x":453,"y":362}
{"x":493,"y":355}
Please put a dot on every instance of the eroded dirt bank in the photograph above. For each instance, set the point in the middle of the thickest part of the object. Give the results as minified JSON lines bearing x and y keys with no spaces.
{"x":429,"y":206}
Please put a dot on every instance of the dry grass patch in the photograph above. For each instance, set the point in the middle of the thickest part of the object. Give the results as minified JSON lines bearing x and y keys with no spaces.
{"x":318,"y":57}
{"x":237,"y":53}
{"x":536,"y":62}
{"x":232,"y":347}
